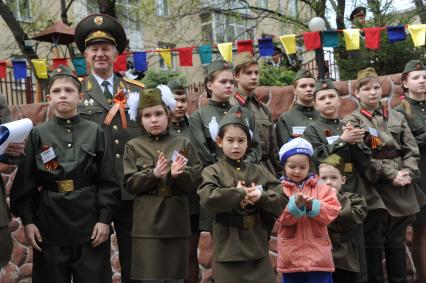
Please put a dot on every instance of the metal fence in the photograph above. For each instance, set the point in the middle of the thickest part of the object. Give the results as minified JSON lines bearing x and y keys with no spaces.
{"x":18,"y":91}
{"x":331,"y":69}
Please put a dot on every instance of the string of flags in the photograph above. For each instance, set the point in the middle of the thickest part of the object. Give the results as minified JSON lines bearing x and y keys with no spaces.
{"x":311,"y":40}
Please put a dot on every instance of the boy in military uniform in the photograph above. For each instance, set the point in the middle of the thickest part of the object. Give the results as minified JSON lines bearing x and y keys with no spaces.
{"x":292,"y":123}
{"x":393,"y":198}
{"x":345,"y":229}
{"x":101,"y":38}
{"x":238,"y":191}
{"x":413,"y":106}
{"x":160,"y":168}
{"x":66,"y":191}
{"x":246,"y":74}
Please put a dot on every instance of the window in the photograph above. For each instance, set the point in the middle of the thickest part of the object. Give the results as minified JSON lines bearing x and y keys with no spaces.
{"x":292,"y":8}
{"x":163,"y":65}
{"x":263,"y":4}
{"x":220,"y":28}
{"x":21,"y":9}
{"x":128,"y":14}
{"x":161,"y":8}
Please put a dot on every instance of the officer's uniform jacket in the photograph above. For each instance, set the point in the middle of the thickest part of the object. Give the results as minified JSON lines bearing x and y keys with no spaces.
{"x":95,"y":107}
{"x":292,"y":123}
{"x":66,"y":197}
{"x":219,"y":194}
{"x":398,"y":151}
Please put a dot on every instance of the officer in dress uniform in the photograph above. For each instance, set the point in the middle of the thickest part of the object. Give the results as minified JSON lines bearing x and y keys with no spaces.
{"x":101,"y":38}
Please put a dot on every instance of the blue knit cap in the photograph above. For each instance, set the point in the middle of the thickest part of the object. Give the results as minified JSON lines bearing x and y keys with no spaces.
{"x":293,"y":147}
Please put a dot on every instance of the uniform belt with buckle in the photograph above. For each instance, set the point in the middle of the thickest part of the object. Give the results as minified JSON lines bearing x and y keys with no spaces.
{"x":165,"y":192}
{"x":238,"y":221}
{"x":349,"y":167}
{"x":69,"y":185}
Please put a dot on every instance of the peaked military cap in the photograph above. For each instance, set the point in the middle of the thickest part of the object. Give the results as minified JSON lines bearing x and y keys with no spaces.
{"x":236,"y":116}
{"x":323,"y":85}
{"x":301,"y":74}
{"x":243,"y":58}
{"x":100,"y":28}
{"x":62,"y":71}
{"x":358,"y":11}
{"x":176,"y":86}
{"x":218,"y":65}
{"x":369,"y":72}
{"x":150,"y":97}
{"x":336,"y":161}
{"x":413,"y":65}
{"x":277,"y":50}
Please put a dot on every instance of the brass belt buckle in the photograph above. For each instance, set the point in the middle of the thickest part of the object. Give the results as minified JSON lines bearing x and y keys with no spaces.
{"x":65,"y":186}
{"x":165,"y":192}
{"x":349,"y":167}
{"x":249,"y":221}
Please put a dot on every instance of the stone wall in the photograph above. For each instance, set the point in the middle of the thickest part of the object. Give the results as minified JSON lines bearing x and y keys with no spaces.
{"x":278,"y":99}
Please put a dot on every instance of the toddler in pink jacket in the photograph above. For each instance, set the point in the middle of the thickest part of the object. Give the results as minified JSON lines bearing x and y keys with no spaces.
{"x":304,"y":247}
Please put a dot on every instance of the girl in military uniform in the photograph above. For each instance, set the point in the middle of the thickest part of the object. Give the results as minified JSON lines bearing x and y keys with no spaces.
{"x":292,"y":123}
{"x":329,"y":135}
{"x":160,"y":168}
{"x":237,"y":191}
{"x":345,"y":227}
{"x":393,"y":198}
{"x":413,"y":106}
{"x":67,"y":221}
{"x":304,"y":247}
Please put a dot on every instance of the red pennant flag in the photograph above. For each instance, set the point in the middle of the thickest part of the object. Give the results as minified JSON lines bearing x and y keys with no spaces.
{"x":245,"y":46}
{"x":312,"y":40}
{"x":2,"y":70}
{"x":59,"y":61}
{"x":185,"y":56}
{"x":120,"y":64}
{"x":372,"y":37}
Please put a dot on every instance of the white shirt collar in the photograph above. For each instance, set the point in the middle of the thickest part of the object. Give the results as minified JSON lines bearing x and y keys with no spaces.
{"x":100,"y":80}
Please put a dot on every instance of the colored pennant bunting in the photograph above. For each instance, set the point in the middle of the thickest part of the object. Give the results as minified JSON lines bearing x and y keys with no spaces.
{"x":312,"y":40}
{"x":185,"y":56}
{"x":351,"y":38}
{"x":417,"y":33}
{"x":120,"y":64}
{"x":40,"y":66}
{"x":266,"y":46}
{"x":225,"y":50}
{"x":245,"y":46}
{"x":19,"y":69}
{"x":79,"y":65}
{"x":205,"y":52}
{"x":139,"y":59}
{"x":330,"y":39}
{"x":166,"y":54}
{"x":372,"y":37}
{"x":289,"y":42}
{"x":2,"y":69}
{"x":396,"y":34}
{"x":59,"y":61}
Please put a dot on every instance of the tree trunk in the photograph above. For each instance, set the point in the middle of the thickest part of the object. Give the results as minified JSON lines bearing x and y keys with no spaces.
{"x":64,"y":17}
{"x":421,"y":10}
{"x":19,"y":34}
{"x":340,"y":15}
{"x":107,"y":7}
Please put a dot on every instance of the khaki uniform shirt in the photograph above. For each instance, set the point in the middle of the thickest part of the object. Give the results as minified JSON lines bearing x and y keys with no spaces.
{"x":262,"y":118}
{"x":95,"y":107}
{"x":324,"y":135}
{"x":292,"y":123}
{"x":219,"y":194}
{"x":82,"y":155}
{"x":343,"y":231}
{"x":157,"y":216}
{"x":396,"y":137}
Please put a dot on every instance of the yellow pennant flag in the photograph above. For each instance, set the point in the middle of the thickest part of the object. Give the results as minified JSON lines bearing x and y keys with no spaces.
{"x":225,"y":50}
{"x":351,"y":38}
{"x":418,"y":34}
{"x":166,"y":54}
{"x":289,"y":42}
{"x":40,"y":66}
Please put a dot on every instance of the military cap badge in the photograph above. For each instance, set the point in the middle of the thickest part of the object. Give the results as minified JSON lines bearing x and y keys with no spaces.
{"x":98,"y":20}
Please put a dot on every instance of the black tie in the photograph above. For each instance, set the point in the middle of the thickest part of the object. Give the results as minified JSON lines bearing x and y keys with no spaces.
{"x":107,"y":93}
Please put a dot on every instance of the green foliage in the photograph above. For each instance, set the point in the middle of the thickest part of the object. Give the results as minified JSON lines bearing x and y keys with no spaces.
{"x":273,"y":76}
{"x":154,"y":78}
{"x":390,"y":58}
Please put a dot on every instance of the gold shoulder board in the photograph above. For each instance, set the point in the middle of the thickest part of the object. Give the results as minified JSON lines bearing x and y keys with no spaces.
{"x":134,"y":82}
